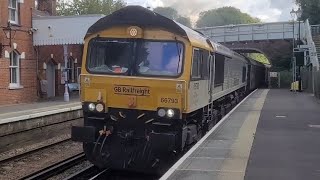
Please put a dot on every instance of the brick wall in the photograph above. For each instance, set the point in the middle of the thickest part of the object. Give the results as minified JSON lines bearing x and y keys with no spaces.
{"x":23,"y":39}
{"x":58,"y":58}
{"x":47,"y":6}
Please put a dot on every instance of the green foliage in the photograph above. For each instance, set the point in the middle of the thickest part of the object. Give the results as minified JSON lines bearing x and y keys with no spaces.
{"x":310,"y":10}
{"x":171,"y":13}
{"x":168,"y":12}
{"x":281,"y":63}
{"x":224,"y":16}
{"x":80,"y":7}
{"x":259,"y":57}
{"x":184,"y":20}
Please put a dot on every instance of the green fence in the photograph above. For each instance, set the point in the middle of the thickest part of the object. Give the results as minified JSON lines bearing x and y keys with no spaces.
{"x":283,"y":80}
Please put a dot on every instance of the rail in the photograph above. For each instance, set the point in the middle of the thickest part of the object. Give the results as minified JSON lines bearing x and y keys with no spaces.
{"x":24,"y":154}
{"x":89,"y":172}
{"x":56,"y":168}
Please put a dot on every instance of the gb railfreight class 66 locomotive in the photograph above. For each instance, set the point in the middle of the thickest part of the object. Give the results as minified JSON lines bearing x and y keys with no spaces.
{"x":150,"y":87}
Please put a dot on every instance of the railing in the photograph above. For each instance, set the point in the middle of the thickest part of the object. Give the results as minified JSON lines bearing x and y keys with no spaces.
{"x":312,"y":47}
{"x":315,"y":30}
{"x":251,"y":32}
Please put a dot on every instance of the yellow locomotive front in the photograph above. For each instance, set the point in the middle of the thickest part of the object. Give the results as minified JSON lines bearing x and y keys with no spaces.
{"x":133,"y":68}
{"x":134,"y":94}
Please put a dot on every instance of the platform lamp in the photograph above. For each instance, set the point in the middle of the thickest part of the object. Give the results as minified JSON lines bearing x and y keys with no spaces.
{"x":292,"y":13}
{"x":297,"y":13}
{"x":8,"y":33}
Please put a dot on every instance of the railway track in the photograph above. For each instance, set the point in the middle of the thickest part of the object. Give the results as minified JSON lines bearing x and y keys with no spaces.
{"x":56,"y":168}
{"x":22,"y":155}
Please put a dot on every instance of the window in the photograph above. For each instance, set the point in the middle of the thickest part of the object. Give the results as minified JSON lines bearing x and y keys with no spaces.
{"x":110,"y":56}
{"x":13,"y":11}
{"x":219,"y":70}
{"x":196,"y":64}
{"x":78,"y":74}
{"x":36,"y":4}
{"x":160,"y":58}
{"x":71,"y":70}
{"x":14,"y":70}
{"x":244,"y":72}
{"x":205,"y":64}
{"x":134,"y":58}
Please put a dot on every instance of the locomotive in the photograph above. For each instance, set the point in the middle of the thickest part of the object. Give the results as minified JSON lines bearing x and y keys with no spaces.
{"x":151,"y":87}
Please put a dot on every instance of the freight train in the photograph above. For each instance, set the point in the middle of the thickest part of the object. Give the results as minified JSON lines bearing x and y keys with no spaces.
{"x":151,"y":87}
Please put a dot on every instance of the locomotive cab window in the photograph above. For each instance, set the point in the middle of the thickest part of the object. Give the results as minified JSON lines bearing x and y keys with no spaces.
{"x":160,"y":58}
{"x":110,"y":56}
{"x":205,"y":65}
{"x":244,"y":72}
{"x":135,"y":57}
{"x":196,"y":64}
{"x":219,"y":70}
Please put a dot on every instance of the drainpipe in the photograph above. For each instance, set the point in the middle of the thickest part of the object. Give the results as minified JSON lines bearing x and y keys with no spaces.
{"x":65,"y":53}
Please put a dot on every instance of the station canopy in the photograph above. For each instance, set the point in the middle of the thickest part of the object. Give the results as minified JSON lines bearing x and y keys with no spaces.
{"x":61,"y":30}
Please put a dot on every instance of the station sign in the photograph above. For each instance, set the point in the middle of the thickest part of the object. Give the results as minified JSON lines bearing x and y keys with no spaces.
{"x":274,"y":74}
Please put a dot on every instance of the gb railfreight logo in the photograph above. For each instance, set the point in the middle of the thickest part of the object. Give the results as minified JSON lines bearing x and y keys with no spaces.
{"x":131,"y":90}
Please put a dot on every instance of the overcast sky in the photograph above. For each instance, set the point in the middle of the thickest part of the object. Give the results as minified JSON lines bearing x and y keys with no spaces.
{"x":266,"y":10}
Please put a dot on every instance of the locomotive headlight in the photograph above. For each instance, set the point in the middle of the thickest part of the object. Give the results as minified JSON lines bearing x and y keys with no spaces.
{"x":91,"y":107}
{"x":161,"y":112}
{"x":170,"y":113}
{"x":99,"y":107}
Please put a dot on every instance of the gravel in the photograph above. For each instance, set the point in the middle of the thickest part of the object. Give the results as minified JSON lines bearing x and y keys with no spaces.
{"x":25,"y":149}
{"x":38,"y":160}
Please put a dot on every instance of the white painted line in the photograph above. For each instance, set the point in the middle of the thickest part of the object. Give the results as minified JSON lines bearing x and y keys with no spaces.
{"x":314,"y":126}
{"x":183,"y":158}
{"x":209,"y":170}
{"x":213,"y":158}
{"x":281,"y":116}
{"x":213,"y":147}
{"x":40,"y":114}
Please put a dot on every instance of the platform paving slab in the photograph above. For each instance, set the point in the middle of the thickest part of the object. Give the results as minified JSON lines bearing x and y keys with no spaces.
{"x":286,"y":144}
{"x":223,"y":155}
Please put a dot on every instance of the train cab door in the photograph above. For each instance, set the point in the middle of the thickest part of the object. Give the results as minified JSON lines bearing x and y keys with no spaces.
{"x":211,"y":75}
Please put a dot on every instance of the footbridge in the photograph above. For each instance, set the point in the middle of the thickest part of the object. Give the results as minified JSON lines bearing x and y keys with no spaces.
{"x":272,"y":39}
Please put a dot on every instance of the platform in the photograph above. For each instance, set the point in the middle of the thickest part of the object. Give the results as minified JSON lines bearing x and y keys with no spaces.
{"x":12,"y":113}
{"x":25,"y":127}
{"x":272,"y":134}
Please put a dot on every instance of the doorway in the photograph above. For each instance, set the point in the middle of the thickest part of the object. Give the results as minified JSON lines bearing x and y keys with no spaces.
{"x":50,"y":75}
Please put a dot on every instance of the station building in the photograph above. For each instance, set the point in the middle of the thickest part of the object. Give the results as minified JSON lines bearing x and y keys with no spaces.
{"x":18,"y":82}
{"x":32,"y":71}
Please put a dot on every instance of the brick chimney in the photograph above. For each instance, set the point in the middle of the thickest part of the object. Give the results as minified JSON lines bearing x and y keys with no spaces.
{"x":48,"y":6}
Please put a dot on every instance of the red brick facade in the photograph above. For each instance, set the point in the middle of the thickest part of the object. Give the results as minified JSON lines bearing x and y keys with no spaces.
{"x":55,"y":54}
{"x":21,"y":44}
{"x":27,"y":87}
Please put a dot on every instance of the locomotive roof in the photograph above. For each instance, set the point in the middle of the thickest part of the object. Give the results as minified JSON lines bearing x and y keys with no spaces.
{"x":136,"y":16}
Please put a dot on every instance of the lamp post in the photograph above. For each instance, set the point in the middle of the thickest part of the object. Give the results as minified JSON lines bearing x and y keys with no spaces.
{"x":8,"y":33}
{"x":293,"y":46}
{"x":297,"y":13}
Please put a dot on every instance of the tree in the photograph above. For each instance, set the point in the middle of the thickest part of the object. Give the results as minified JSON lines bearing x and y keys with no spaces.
{"x":80,"y":7}
{"x":171,"y":13}
{"x":259,"y":57}
{"x":224,"y":16}
{"x":168,"y":12}
{"x":310,"y":10}
{"x":184,"y":20}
